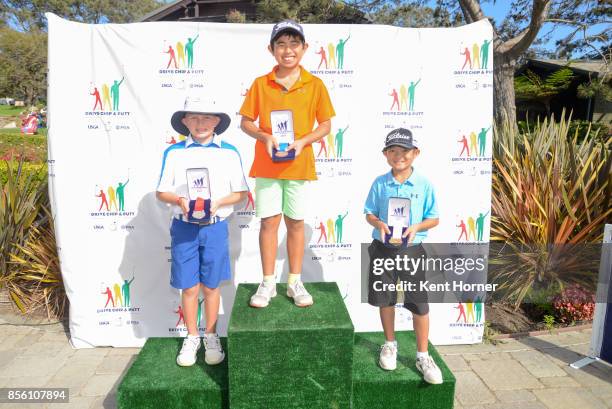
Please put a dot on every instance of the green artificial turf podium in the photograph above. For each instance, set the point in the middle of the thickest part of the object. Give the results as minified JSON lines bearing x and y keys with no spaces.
{"x":375,"y":388}
{"x":156,"y":381}
{"x":286,"y":357}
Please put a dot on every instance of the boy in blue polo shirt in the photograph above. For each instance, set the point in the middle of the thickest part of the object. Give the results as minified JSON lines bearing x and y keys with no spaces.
{"x":200,"y":250}
{"x":402,"y":182}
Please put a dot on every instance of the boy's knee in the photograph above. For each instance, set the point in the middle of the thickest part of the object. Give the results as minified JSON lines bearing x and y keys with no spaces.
{"x":294,"y":225}
{"x":209,"y":291}
{"x":270,"y":223}
{"x":192,"y":291}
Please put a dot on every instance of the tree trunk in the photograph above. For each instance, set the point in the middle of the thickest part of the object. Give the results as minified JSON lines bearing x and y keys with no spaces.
{"x":504,"y":108}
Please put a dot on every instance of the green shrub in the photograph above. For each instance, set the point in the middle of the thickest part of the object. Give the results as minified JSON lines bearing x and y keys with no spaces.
{"x":548,"y":188}
{"x":38,"y":171}
{"x":597,"y":130}
{"x":34,"y":278}
{"x":22,"y":197}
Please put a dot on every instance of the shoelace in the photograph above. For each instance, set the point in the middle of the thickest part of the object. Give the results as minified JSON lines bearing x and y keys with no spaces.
{"x":428,"y":363}
{"x":190,"y":344}
{"x":212,"y":343}
{"x":299,"y":288}
{"x":386,"y":349}
{"x":262,"y":290}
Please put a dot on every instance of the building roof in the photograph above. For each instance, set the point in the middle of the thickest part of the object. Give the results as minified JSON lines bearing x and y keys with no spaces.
{"x":579,"y":66}
{"x":176,"y":10}
{"x":216,"y":11}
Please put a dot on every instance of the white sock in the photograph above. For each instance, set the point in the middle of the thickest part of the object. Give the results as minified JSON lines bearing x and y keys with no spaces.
{"x":391,"y":343}
{"x":422,"y":354}
{"x":192,"y":336}
{"x":271,"y":279}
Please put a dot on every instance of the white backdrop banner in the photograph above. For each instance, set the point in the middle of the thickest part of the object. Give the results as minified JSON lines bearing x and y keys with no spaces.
{"x":113,"y":88}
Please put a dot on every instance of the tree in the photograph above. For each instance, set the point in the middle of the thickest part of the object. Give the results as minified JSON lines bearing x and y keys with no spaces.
{"x":235,"y":16}
{"x":308,"y":11}
{"x":531,"y":86}
{"x":404,"y":13}
{"x":28,"y":14}
{"x":23,"y":52}
{"x":519,"y":30}
{"x":23,"y":64}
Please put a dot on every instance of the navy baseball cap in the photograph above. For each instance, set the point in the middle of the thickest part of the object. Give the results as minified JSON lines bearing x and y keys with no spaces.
{"x":400,"y":137}
{"x":287,"y":26}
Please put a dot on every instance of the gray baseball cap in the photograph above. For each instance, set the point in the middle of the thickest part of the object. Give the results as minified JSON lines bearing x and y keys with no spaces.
{"x":287,"y":26}
{"x":400,"y":137}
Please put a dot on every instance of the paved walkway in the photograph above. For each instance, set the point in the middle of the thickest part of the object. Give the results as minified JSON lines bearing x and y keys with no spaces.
{"x":529,"y":373}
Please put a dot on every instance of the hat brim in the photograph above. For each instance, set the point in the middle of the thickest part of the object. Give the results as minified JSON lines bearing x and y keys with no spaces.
{"x":179,"y":126}
{"x":401,"y":146}
{"x":287,"y":30}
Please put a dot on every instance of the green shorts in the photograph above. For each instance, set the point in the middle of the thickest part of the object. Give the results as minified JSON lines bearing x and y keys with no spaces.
{"x":276,"y":196}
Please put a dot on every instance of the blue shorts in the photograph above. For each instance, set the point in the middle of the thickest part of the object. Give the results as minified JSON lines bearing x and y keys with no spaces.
{"x":200,"y":254}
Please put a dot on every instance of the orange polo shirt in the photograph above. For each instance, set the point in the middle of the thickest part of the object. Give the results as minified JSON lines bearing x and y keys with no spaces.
{"x":308,"y":99}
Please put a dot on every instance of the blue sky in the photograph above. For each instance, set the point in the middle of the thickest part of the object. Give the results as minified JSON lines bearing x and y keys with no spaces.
{"x":501,"y":8}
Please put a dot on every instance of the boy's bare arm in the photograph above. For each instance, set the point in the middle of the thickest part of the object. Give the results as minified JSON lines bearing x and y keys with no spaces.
{"x":426,"y":224}
{"x":378,"y":224}
{"x":248,"y":127}
{"x":232,"y":198}
{"x":321,"y":131}
{"x":173,"y":198}
{"x":183,"y":202}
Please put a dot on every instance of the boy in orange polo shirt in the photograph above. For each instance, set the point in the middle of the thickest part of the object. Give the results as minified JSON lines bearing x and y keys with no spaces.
{"x":280,"y":186}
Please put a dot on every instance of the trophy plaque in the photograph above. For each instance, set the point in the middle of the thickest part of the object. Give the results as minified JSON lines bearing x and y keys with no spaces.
{"x":282,"y":130}
{"x":198,"y":182}
{"x":398,"y":220}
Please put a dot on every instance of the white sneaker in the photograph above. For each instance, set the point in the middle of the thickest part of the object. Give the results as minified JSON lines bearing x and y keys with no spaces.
{"x":262,"y":297}
{"x":388,"y":356}
{"x":187,"y":356}
{"x":430,"y":370}
{"x":213,"y":354}
{"x":300,"y":295}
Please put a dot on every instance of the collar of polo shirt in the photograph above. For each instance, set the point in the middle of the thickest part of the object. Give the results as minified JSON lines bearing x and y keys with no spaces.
{"x":305,"y":77}
{"x":411,"y":180}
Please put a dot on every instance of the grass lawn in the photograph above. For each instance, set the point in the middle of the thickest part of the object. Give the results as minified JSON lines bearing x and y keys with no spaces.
{"x":16,"y":131}
{"x":9,"y":110}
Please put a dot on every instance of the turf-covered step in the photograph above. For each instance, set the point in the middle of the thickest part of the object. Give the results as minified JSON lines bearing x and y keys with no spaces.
{"x":284,"y":357}
{"x":375,"y":388}
{"x":155,"y":380}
